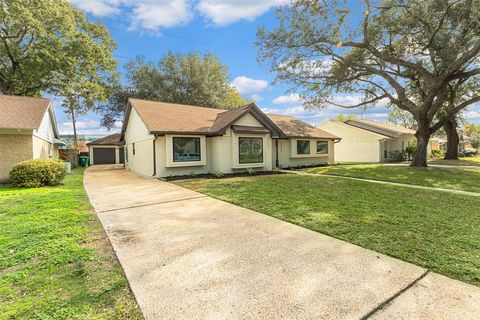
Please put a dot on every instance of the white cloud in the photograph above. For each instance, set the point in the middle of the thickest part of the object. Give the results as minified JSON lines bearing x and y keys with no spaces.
{"x":143,"y":13}
{"x":247,"y":85}
{"x":222,"y":12}
{"x":292,"y":98}
{"x":98,"y":7}
{"x":88,"y":127}
{"x":156,"y":14}
{"x":169,"y":13}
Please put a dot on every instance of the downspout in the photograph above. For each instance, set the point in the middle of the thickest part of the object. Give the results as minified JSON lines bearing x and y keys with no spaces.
{"x":154,"y":157}
{"x":276,"y":153}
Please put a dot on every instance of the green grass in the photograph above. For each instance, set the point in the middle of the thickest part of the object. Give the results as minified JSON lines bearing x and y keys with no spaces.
{"x":448,"y":178}
{"x":436,"y":230}
{"x":55,"y":260}
{"x":471,"y":161}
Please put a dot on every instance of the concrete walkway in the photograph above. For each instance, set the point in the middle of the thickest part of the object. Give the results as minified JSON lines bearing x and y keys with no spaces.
{"x":188,"y":256}
{"x":468,"y":193}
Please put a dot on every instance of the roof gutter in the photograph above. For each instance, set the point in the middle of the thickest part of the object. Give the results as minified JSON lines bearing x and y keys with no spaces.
{"x":154,"y":156}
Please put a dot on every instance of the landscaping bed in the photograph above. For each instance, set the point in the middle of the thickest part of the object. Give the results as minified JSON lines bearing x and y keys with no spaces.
{"x":55,"y":260}
{"x":436,"y":230}
{"x":220,"y":176}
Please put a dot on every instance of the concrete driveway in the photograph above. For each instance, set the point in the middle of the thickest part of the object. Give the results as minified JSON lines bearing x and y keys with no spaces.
{"x":189,"y":256}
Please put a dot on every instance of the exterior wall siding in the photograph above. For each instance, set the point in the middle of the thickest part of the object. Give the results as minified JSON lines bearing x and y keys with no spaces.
{"x":221,"y":152}
{"x":356,"y":145}
{"x":45,"y":131}
{"x":248,"y":120}
{"x":137,"y":133}
{"x":43,"y":149}
{"x":287,"y":156}
{"x":14,"y":148}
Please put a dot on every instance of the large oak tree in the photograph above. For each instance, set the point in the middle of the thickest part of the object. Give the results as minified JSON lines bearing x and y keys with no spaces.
{"x":408,"y":53}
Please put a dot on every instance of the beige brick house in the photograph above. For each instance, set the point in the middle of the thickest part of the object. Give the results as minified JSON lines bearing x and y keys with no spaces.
{"x":164,"y":139}
{"x":28,"y":130}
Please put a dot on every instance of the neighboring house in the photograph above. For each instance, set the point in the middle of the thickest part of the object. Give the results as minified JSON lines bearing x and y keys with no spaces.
{"x":107,"y":150}
{"x":464,"y":143}
{"x":370,"y":141}
{"x":164,"y":139}
{"x":82,"y":140}
{"x":28,"y":130}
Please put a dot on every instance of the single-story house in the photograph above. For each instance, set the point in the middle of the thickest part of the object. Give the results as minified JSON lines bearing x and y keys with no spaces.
{"x":28,"y":130}
{"x":165,"y":139}
{"x":370,"y":141}
{"x":107,"y":150}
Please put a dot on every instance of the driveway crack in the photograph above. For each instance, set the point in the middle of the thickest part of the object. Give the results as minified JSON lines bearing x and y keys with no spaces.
{"x":393,"y":297}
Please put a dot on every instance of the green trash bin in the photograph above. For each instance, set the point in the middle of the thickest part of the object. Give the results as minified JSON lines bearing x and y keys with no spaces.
{"x":84,"y":160}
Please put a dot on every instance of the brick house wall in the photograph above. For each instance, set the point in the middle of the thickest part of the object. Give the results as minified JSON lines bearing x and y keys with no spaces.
{"x":14,"y":148}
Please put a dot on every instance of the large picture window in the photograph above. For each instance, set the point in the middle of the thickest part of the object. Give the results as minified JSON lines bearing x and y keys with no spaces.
{"x":303,"y":147}
{"x":322,"y":147}
{"x":186,"y":149}
{"x":250,"y":150}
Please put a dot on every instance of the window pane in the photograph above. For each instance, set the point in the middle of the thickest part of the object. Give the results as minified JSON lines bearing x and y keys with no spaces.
{"x":250,"y":150}
{"x":186,"y":149}
{"x":322,"y":147}
{"x":303,"y":147}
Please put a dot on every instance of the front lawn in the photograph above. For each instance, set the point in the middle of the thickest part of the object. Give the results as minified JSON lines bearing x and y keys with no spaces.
{"x":448,"y":178}
{"x":436,"y":230}
{"x":470,"y":161}
{"x":55,"y":260}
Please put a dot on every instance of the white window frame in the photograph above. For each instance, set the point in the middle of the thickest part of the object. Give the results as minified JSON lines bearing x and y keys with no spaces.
{"x":322,"y":153}
{"x":169,"y":152}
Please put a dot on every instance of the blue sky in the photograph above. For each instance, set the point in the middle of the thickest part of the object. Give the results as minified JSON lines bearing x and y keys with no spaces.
{"x":225,"y":28}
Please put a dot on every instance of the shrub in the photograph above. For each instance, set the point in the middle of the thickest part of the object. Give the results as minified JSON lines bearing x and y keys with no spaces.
{"x":192,"y":173}
{"x":251,"y":171}
{"x":410,"y":151}
{"x":37,"y":173}
{"x":396,"y":155}
{"x":437,"y":154}
{"x":218,"y":174}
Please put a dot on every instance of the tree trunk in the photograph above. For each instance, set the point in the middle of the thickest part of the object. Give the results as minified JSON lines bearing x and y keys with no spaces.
{"x":423,"y":137}
{"x":453,"y":140}
{"x":74,"y":122}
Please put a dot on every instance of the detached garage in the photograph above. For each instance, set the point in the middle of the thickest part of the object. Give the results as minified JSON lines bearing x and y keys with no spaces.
{"x":107,"y":150}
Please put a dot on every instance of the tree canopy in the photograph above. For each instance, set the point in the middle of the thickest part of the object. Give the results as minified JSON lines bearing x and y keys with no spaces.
{"x":49,"y":46}
{"x":421,"y":56}
{"x":193,"y":79}
{"x":400,"y":117}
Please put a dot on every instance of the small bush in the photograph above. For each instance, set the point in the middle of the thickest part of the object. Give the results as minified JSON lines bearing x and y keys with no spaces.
{"x":437,"y":154}
{"x":192,"y":173}
{"x":218,"y":174}
{"x":37,"y":173}
{"x":251,"y":171}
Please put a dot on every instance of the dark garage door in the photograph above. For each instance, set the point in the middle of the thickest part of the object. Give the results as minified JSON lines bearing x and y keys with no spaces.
{"x":103,"y":155}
